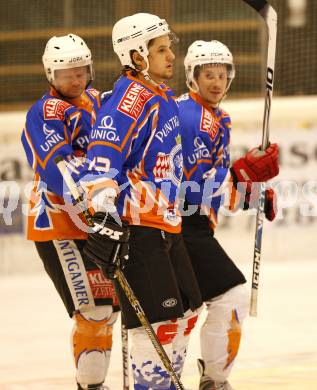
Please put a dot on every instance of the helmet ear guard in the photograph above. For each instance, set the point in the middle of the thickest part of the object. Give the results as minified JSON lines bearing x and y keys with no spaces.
{"x":207,"y":52}
{"x":66,"y":52}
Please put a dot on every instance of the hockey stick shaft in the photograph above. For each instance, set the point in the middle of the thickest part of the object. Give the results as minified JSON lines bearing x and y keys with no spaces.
{"x":125,"y":356}
{"x":270,"y":17}
{"x":72,"y":187}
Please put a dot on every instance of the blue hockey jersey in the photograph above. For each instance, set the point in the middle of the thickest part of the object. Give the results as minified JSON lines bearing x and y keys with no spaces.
{"x":136,"y":144}
{"x":55,"y":127}
{"x":205,"y":140}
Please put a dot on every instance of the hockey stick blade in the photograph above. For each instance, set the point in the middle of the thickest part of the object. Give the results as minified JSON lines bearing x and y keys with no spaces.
{"x":269,"y":16}
{"x":73,"y":189}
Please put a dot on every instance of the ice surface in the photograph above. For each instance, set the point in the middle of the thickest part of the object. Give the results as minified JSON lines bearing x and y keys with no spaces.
{"x":278,"y":351}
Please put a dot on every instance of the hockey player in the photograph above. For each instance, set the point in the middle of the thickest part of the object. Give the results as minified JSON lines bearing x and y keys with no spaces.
{"x":206,"y":128}
{"x":59,"y":124}
{"x":135,"y":151}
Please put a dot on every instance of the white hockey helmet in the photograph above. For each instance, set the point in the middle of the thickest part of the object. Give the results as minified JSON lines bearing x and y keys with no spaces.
{"x":207,"y":52}
{"x":134,"y":33}
{"x":65,"y":52}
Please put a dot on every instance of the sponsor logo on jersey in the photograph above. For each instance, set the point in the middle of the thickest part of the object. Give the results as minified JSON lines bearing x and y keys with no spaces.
{"x":169,"y":166}
{"x":55,"y":109}
{"x":105,"y":130}
{"x":162,"y":166}
{"x":176,"y":160}
{"x":134,"y":100}
{"x":200,"y":151}
{"x":208,"y":124}
{"x":51,"y":138}
{"x":82,"y":141}
{"x":167,"y":128}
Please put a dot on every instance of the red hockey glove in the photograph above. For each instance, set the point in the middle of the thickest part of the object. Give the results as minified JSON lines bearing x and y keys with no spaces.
{"x":270,"y":204}
{"x":251,"y":201}
{"x":256,"y":166}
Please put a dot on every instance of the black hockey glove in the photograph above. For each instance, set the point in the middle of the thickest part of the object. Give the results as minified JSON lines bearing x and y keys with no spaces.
{"x":108,"y":245}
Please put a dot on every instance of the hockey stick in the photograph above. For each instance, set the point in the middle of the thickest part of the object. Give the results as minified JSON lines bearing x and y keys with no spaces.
{"x":71,"y":185}
{"x":125,"y":356}
{"x":269,"y":15}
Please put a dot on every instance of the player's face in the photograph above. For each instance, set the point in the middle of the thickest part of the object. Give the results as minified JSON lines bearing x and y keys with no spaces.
{"x":212,"y":82}
{"x":161,"y":58}
{"x":71,"y":83}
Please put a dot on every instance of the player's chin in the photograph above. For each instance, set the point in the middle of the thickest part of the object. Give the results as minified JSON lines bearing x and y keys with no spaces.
{"x":214,"y":98}
{"x":75,"y":94}
{"x":169,"y":73}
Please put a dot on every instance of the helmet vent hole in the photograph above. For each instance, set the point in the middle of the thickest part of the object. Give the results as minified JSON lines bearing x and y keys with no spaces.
{"x":57,"y":47}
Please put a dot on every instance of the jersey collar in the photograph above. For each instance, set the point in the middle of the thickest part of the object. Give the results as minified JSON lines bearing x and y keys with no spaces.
{"x":198,"y":99}
{"x":160,"y":90}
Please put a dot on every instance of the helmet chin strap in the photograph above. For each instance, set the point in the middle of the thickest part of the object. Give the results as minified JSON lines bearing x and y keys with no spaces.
{"x":146,"y":75}
{"x":58,"y":92}
{"x":224,"y":96}
{"x":192,"y":86}
{"x":148,"y":78}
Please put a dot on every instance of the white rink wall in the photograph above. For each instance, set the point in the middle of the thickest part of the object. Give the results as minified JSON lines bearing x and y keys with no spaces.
{"x":290,"y":237}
